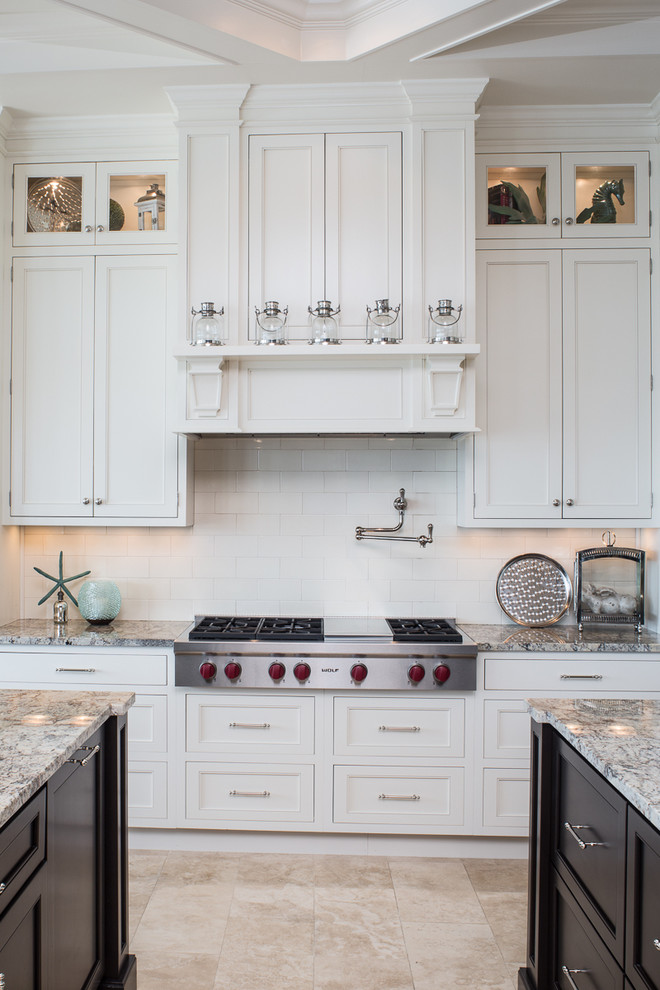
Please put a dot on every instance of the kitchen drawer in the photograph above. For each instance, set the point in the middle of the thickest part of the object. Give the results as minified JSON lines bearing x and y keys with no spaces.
{"x":578,"y":948}
{"x":147,"y":790}
{"x":506,"y":730}
{"x":506,"y":797}
{"x":643,"y":904}
{"x":216,"y":723}
{"x":379,"y":727}
{"x":56,"y":668}
{"x":226,"y":792}
{"x":596,"y":813}
{"x":147,"y":724}
{"x":22,"y":846}
{"x":399,"y":795}
{"x":571,"y":675}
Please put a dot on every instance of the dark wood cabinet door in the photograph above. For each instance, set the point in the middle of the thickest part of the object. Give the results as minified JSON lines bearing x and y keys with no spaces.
{"x":74,"y":872}
{"x":22,"y":948}
{"x":580,"y":958}
{"x":643,"y":904}
{"x":590,"y":843}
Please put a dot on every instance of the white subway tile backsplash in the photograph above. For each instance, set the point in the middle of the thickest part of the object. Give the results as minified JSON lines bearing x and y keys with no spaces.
{"x":274,"y":533}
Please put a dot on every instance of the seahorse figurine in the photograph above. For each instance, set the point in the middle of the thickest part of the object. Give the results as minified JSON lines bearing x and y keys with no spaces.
{"x":602,"y":209}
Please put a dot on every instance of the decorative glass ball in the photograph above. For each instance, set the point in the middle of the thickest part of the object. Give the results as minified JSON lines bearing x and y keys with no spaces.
{"x":99,"y":602}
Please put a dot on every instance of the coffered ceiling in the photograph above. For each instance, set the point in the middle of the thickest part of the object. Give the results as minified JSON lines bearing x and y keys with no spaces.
{"x":116,"y":56}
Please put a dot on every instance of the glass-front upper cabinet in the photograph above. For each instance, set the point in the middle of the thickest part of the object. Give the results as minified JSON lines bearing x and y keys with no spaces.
{"x":105,"y":203}
{"x":563,"y":195}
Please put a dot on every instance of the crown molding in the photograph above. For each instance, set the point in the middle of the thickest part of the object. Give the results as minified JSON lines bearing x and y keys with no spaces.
{"x":63,"y":138}
{"x":6,"y":123}
{"x":617,"y":123}
{"x":220,"y":103}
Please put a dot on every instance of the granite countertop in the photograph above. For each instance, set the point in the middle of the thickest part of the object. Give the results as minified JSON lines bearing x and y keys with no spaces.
{"x":40,"y":730}
{"x":621,"y":739}
{"x":596,"y":638}
{"x":77,"y":632}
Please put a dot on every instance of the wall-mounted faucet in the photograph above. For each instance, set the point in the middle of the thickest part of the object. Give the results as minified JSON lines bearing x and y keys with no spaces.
{"x":383,"y":532}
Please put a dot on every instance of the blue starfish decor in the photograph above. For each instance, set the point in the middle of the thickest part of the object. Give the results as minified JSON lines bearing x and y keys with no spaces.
{"x":60,"y":582}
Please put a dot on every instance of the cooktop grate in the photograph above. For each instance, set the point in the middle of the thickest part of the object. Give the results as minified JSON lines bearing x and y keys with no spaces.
{"x":424,"y":631}
{"x":223,"y":627}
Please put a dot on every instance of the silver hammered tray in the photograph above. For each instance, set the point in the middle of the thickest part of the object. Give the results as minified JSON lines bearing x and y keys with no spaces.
{"x":533,"y":590}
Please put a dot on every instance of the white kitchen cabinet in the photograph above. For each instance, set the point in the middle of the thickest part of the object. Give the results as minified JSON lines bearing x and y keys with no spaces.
{"x":431,"y":797}
{"x":76,"y":204}
{"x":145,"y":671}
{"x":325,"y":222}
{"x":565,"y":370}
{"x":90,"y":377}
{"x":560,"y":190}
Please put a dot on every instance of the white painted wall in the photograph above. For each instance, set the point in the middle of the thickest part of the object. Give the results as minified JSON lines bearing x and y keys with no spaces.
{"x":274,"y":533}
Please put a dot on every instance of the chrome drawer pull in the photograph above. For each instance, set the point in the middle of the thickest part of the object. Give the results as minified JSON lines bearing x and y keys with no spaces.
{"x":3,"y":887}
{"x":92,"y":751}
{"x":75,"y":670}
{"x":583,"y":845}
{"x":399,"y":728}
{"x":249,"y":793}
{"x":249,"y":725}
{"x":581,"y":677}
{"x":656,"y":942}
{"x":398,"y":797}
{"x":2,"y":981}
{"x":567,"y":973}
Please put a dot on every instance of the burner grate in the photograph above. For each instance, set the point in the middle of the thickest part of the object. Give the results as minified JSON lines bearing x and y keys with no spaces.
{"x":273,"y":628}
{"x":424,"y":631}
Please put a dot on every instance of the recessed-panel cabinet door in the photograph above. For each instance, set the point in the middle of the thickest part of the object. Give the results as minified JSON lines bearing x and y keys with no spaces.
{"x":518,"y":453}
{"x":135,"y":458}
{"x":607,"y":384}
{"x":52,"y":383}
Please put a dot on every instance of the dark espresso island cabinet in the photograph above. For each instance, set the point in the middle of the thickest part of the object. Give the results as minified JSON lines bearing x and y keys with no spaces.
{"x":594,"y":889}
{"x":63,"y":854}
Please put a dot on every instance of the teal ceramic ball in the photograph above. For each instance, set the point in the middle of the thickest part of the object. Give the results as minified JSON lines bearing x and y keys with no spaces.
{"x":99,"y":601}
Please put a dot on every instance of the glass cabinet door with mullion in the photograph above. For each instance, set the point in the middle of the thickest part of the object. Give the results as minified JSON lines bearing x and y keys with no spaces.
{"x":54,"y":204}
{"x":518,"y":196}
{"x":135,"y":203}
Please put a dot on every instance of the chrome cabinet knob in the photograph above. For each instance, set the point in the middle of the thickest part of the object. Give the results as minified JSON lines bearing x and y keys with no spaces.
{"x":556,"y":502}
{"x":555,"y":221}
{"x":85,"y":501}
{"x":569,"y":501}
{"x":100,"y":227}
{"x":98,"y":501}
{"x":568,"y":220}
{"x":88,"y":228}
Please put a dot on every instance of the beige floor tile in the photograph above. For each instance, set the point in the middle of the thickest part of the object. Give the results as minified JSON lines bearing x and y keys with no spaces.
{"x":507,"y":916}
{"x":266,"y":869}
{"x":145,"y":864}
{"x":260,"y":953}
{"x":285,"y":901}
{"x":455,"y":957}
{"x":172,"y":971}
{"x":434,"y":890}
{"x":374,"y":905}
{"x":366,"y":957}
{"x":352,"y":871}
{"x":208,"y":867}
{"x":184,"y":919}
{"x":498,"y":875}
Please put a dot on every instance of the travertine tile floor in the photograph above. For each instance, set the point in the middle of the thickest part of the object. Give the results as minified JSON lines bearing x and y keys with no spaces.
{"x":215,"y":921}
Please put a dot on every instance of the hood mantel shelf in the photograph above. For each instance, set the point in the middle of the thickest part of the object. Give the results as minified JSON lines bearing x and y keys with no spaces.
{"x":352,"y":388}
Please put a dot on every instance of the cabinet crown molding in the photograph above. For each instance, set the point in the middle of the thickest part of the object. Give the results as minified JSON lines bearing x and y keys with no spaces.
{"x":92,"y":138}
{"x":197,"y":104}
{"x":568,"y":126}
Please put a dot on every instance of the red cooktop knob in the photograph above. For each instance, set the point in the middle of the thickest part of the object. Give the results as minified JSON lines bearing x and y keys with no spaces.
{"x":416,"y":673}
{"x":442,"y":673}
{"x":233,"y":670}
{"x":301,"y":671}
{"x":277,"y":671}
{"x":359,"y":672}
{"x":208,"y":670}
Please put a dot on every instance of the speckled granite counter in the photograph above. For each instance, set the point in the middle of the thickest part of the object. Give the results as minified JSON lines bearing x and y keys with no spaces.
{"x":621,"y":739}
{"x":511,"y":638}
{"x":40,"y":730}
{"x":77,"y":632}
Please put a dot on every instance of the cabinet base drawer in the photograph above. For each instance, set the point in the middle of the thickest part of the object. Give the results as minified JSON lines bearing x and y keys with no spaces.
{"x":216,"y":723}
{"x":506,"y":797}
{"x":374,"y":727}
{"x":398,"y":795}
{"x":147,"y":790}
{"x":49,"y":668}
{"x":572,"y":675}
{"x":578,"y":948}
{"x":243,"y":792}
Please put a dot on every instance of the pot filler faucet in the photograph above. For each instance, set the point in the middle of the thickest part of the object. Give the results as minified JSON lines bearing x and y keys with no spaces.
{"x":383,"y":532}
